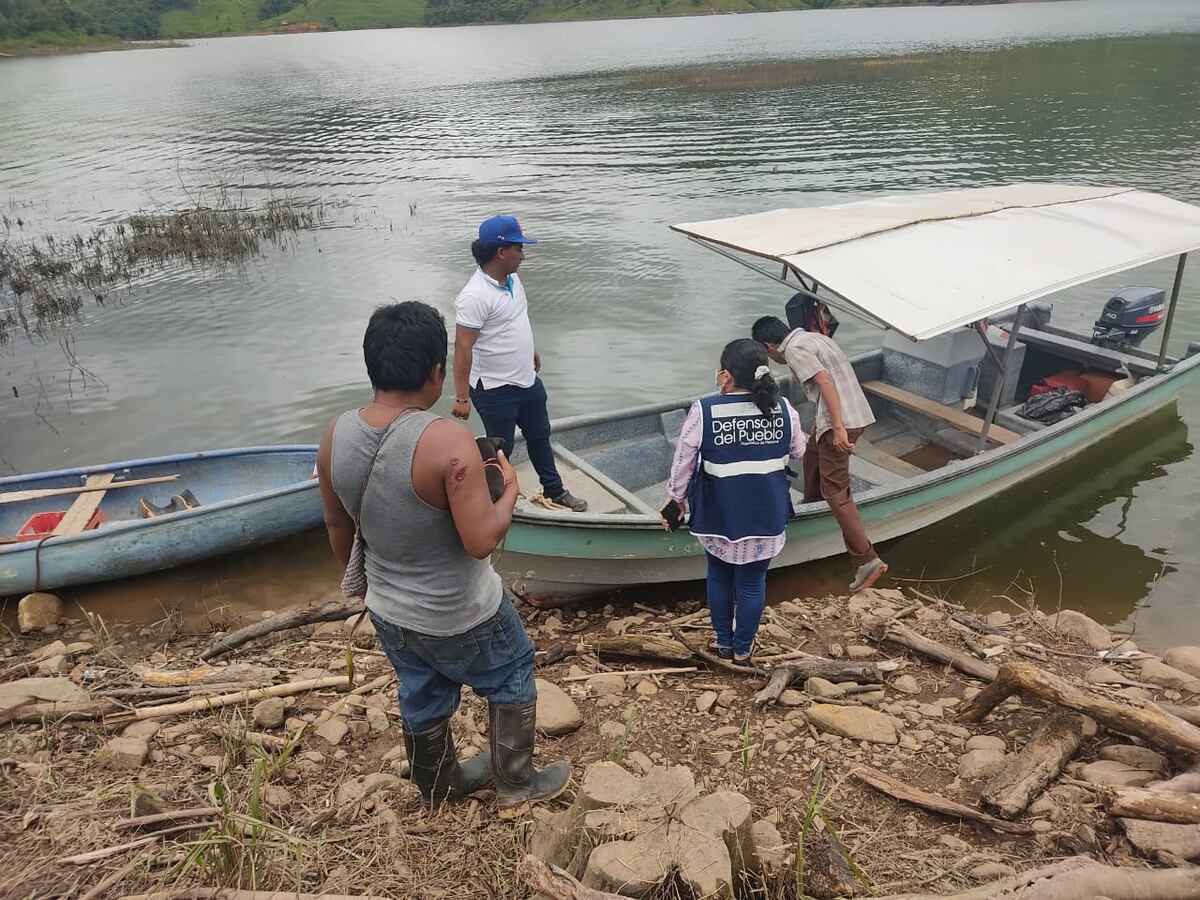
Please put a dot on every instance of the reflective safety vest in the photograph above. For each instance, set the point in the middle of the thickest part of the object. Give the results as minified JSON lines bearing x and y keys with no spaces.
{"x":740,"y":487}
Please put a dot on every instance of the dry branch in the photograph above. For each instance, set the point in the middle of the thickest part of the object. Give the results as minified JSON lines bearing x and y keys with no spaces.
{"x":1153,"y":804}
{"x":1040,"y":761}
{"x":82,"y":859}
{"x":330,"y":611}
{"x":892,"y":632}
{"x":1133,"y":717}
{"x":899,"y":790}
{"x":177,"y":815}
{"x":553,"y":882}
{"x":204,"y":704}
{"x":712,"y":659}
{"x":212,"y":893}
{"x":1080,"y":878}
{"x":1189,"y":714}
{"x":815,"y":667}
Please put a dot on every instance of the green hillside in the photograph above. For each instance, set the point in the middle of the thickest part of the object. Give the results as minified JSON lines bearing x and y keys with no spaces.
{"x":79,"y":23}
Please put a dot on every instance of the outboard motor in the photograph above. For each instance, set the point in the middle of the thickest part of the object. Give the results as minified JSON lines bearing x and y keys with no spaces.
{"x":1130,"y":315}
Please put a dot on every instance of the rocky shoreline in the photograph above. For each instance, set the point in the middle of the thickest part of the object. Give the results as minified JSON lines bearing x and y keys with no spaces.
{"x":129,"y":769}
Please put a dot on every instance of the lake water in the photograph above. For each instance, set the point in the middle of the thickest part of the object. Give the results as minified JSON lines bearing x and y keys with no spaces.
{"x":599,"y":135}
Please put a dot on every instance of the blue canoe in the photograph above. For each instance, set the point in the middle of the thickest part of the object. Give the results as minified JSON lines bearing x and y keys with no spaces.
{"x":247,"y":497}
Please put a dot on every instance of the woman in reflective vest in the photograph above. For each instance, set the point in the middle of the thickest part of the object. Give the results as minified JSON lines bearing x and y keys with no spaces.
{"x":730,"y":468}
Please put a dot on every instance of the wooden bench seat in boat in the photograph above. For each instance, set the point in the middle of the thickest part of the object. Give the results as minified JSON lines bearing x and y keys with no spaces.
{"x":951,"y":416}
{"x":80,"y":512}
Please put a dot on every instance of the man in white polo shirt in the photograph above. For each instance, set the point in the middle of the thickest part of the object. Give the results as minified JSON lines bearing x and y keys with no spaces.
{"x":495,"y":363}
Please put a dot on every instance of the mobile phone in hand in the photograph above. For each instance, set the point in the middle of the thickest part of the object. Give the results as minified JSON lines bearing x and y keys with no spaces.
{"x":672,"y":514}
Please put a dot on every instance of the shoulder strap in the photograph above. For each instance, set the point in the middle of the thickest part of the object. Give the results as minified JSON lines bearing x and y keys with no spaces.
{"x":362,"y":491}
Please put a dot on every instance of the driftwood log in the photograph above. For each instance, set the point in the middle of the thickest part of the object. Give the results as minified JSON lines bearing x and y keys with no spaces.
{"x":329,"y":611}
{"x":1031,"y":771}
{"x":1154,"y":804}
{"x":642,"y":646}
{"x":892,"y":632}
{"x":551,"y":881}
{"x":712,"y":659}
{"x":1187,"y":713}
{"x":815,"y":667}
{"x":204,"y":675}
{"x":886,"y":784}
{"x":1080,"y":878}
{"x":1139,"y":718}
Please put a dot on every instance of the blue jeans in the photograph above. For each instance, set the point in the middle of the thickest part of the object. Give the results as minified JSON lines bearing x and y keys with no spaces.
{"x":495,"y":658}
{"x":505,"y":408}
{"x":736,"y":597}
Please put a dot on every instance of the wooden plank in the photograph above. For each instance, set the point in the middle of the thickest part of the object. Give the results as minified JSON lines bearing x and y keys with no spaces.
{"x":632,"y":501}
{"x":81,"y":510}
{"x":926,"y":407}
{"x":38,"y":494}
{"x":865,"y":450}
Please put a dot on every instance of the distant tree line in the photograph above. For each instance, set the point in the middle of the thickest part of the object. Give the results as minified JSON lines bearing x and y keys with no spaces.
{"x":131,"y":19}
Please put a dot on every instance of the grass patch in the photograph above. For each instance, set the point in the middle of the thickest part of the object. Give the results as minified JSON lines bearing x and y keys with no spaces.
{"x":44,"y":281}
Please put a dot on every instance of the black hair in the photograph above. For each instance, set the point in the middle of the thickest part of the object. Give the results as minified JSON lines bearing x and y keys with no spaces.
{"x":742,"y":359}
{"x":404,"y":343}
{"x":769,"y":330}
{"x":484,"y":252}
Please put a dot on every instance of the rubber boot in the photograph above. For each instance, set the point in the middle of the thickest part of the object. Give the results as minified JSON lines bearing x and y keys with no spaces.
{"x":435,"y":769}
{"x":518,"y":783}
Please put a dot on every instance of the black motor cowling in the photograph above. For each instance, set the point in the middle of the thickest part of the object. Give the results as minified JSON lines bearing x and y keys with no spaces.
{"x":1130,"y":315}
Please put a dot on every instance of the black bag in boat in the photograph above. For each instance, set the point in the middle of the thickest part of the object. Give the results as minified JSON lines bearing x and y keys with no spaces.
{"x":1053,"y":406}
{"x":809,"y":312}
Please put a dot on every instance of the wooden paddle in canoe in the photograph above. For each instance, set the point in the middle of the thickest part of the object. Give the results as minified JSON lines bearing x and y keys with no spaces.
{"x":20,"y":496}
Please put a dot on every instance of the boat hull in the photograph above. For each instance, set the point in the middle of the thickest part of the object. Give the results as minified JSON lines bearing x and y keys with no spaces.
{"x":544,"y":560}
{"x":263,"y":494}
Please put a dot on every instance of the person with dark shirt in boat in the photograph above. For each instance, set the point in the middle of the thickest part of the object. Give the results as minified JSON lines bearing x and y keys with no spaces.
{"x":495,"y":363}
{"x":428,"y":524}
{"x":842,"y":415}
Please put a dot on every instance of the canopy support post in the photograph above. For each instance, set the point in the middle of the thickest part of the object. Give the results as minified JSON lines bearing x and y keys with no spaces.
{"x":844,"y":303}
{"x":1162,"y":351}
{"x":998,"y":388}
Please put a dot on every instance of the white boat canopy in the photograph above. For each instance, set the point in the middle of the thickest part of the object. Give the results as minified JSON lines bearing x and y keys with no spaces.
{"x":922,"y":264}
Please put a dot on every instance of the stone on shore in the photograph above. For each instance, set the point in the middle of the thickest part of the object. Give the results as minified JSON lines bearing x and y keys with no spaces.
{"x":557,"y":713}
{"x":1186,"y":659}
{"x":142,"y":730}
{"x":1155,"y":672}
{"x":1108,"y":771}
{"x":819,"y":687}
{"x":1137,"y":757}
{"x":51,"y":690}
{"x":986,"y":742}
{"x":125,"y":753}
{"x":333,"y":730}
{"x":853,"y":722}
{"x":1082,"y":628}
{"x":606,"y":685}
{"x":38,"y":611}
{"x":789,"y":697}
{"x":1104,"y":675}
{"x":1152,"y":837}
{"x":905,"y":684}
{"x":269,"y":713}
{"x":975,"y":765}
{"x":706,"y":701}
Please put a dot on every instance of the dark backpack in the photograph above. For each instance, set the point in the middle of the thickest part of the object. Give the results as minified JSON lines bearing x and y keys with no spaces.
{"x":809,"y":312}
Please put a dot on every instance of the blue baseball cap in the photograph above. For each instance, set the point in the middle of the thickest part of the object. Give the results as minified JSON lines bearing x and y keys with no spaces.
{"x":503,"y":230}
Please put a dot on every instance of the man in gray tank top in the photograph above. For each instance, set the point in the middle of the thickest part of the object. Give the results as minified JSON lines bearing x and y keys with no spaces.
{"x":415,"y":484}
